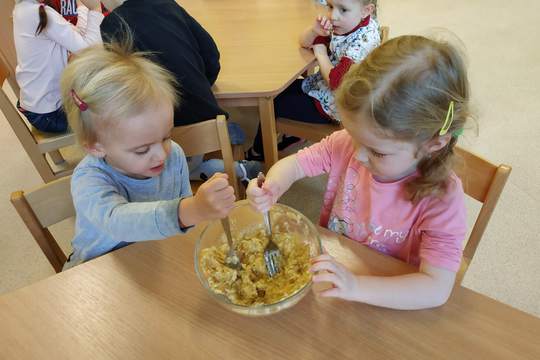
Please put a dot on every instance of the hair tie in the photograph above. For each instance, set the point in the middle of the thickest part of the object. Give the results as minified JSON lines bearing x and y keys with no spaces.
{"x":457,"y":133}
{"x":449,"y":119}
{"x":78,"y":101}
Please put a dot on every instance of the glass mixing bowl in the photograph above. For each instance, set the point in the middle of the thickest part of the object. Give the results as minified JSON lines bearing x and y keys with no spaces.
{"x":243,"y":218}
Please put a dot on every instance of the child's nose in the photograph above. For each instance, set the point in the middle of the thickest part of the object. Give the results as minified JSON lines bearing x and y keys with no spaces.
{"x":160,"y":152}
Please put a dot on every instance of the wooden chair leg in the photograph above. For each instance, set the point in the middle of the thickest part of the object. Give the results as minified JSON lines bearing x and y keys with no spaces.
{"x":238,"y":152}
{"x":56,"y":157}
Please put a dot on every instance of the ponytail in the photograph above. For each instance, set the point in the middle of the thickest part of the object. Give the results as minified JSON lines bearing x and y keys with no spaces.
{"x":42,"y":15}
{"x":434,"y":170}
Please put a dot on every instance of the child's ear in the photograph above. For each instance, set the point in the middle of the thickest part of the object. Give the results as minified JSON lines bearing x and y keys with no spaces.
{"x":437,"y":143}
{"x":96,"y":149}
{"x":369,"y":9}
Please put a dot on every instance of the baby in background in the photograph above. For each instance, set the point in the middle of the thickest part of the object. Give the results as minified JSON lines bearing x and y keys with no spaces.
{"x":134,"y":183}
{"x":344,"y":36}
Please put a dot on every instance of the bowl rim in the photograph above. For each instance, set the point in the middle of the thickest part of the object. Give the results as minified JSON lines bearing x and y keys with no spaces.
{"x":222,"y":297}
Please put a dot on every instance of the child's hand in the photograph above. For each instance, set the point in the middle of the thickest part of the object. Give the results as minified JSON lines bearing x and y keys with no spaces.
{"x":262,"y":198}
{"x":92,"y":4}
{"x":215,"y":198}
{"x":322,"y":26}
{"x":344,"y":283}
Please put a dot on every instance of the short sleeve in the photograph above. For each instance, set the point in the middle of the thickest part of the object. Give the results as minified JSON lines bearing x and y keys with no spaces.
{"x":338,"y":71}
{"x":443,"y":226}
{"x":320,"y":157}
{"x":322,"y":40}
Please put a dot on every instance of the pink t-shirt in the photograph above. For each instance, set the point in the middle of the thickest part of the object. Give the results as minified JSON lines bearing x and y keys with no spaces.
{"x":379,"y":215}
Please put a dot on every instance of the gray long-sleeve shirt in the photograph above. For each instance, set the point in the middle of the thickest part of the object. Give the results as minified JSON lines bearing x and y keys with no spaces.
{"x":113,"y":208}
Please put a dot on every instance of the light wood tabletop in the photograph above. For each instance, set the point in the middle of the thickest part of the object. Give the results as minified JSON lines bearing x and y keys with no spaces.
{"x":145,"y":302}
{"x":260,"y":54}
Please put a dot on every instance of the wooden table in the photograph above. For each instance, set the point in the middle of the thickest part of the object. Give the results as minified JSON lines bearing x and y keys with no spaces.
{"x":260,"y":55}
{"x":145,"y":302}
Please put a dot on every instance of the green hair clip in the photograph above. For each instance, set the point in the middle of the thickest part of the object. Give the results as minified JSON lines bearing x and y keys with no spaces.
{"x":449,"y":119}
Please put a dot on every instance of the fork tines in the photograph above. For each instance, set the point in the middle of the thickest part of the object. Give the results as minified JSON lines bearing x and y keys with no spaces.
{"x":271,"y":259}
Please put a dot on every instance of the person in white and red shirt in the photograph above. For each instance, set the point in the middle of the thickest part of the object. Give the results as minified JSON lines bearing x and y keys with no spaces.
{"x":68,"y":9}
{"x":43,"y":39}
{"x":345,"y":36}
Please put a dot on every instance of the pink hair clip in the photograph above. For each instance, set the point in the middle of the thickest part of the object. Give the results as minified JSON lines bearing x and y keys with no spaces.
{"x":78,"y":101}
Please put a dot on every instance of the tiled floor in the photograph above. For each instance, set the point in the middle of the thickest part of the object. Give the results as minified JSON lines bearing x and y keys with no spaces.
{"x":504,"y":60}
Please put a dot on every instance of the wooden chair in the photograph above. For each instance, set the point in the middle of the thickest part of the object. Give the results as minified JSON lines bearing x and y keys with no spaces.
{"x":42,"y":148}
{"x":206,"y":137}
{"x":315,"y":132}
{"x":385,"y":33}
{"x":45,"y":206}
{"x":484,"y":182}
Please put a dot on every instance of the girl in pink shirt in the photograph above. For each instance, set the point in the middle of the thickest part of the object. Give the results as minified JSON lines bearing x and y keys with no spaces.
{"x":390,"y":182}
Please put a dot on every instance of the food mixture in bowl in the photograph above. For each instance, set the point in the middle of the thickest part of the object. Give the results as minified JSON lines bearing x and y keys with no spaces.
{"x":251,"y":285}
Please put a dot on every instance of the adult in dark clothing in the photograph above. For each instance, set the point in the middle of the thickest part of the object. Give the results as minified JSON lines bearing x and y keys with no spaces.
{"x":180,"y":44}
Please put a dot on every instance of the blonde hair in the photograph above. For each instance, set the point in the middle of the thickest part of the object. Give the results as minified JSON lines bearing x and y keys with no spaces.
{"x":115,"y":83}
{"x":406,"y":86}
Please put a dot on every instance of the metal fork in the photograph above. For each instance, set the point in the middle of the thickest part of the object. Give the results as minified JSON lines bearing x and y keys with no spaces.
{"x":272,"y":255}
{"x":232,"y":260}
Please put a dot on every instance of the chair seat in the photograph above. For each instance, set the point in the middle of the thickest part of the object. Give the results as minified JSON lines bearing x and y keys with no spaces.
{"x":309,"y":131}
{"x":51,"y":141}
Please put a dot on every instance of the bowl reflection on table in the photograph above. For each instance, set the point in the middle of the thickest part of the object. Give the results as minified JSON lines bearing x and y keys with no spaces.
{"x":243,"y":218}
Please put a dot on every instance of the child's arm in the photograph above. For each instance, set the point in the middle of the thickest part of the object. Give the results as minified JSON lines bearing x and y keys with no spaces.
{"x":311,"y":161}
{"x":99,"y":204}
{"x":98,"y":201}
{"x":321,"y":27}
{"x":325,"y":65}
{"x":279,"y":179}
{"x":62,"y":32}
{"x":428,"y":288}
{"x":82,"y":18}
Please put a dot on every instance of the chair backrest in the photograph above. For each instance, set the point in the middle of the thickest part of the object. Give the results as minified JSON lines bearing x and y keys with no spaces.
{"x":45,"y":206}
{"x":206,"y":137}
{"x":385,"y":33}
{"x":35,"y":143}
{"x":484,"y":182}
{"x":7,"y":46}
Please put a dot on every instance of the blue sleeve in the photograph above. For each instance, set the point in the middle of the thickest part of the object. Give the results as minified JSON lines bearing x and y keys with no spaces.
{"x":185,"y":189}
{"x":98,"y":199}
